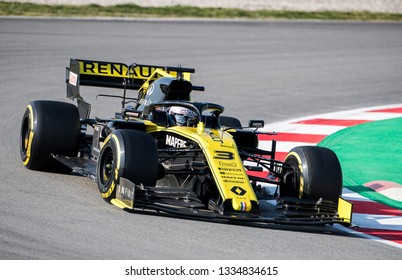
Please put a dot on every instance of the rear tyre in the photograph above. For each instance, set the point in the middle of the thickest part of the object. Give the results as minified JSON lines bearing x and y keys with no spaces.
{"x":318,"y":174}
{"x":130,"y":154}
{"x":49,"y":128}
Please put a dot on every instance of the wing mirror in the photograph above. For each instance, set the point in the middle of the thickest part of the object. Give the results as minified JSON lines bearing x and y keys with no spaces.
{"x":256,"y":124}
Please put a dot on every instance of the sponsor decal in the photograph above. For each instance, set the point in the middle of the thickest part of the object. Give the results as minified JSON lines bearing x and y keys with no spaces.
{"x":238,"y":191}
{"x":120,"y":70}
{"x":233,"y":181}
{"x":227,"y":164}
{"x":72,"y":78}
{"x":175,"y":142}
{"x":125,"y":192}
{"x":228,"y":170}
{"x":103,"y":68}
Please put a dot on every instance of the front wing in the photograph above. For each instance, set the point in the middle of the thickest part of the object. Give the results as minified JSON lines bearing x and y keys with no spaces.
{"x":184,"y":203}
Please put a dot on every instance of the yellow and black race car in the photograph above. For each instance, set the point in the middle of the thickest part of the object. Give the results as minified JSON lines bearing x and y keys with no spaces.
{"x":173,"y":155}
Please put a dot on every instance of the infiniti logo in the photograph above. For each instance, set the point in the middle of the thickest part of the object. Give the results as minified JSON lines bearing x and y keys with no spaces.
{"x":231,"y":164}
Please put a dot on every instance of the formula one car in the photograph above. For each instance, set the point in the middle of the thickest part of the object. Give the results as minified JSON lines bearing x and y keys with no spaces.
{"x":173,"y":155}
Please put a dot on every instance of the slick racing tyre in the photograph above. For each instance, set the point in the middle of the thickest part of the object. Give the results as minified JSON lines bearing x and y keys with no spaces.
{"x":49,"y":128}
{"x":317,"y":174}
{"x":129,"y":154}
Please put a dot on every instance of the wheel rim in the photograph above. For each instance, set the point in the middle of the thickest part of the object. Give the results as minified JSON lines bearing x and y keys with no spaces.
{"x":25,"y":131}
{"x":107,"y":167}
{"x":291,"y":185}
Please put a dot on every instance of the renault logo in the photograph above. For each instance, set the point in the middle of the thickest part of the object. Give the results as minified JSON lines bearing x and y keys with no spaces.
{"x":238,"y":190}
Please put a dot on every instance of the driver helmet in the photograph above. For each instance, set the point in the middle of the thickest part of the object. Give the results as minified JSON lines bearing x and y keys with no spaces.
{"x":183,"y":116}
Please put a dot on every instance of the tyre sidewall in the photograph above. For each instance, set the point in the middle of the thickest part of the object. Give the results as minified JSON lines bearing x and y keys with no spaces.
{"x":320,"y":173}
{"x":135,"y":158}
{"x":141,"y":157}
{"x":113,"y":143}
{"x":54,"y":129}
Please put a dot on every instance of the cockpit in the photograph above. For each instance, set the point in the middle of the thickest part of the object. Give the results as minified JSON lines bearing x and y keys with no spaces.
{"x":183,"y":113}
{"x":165,"y":89}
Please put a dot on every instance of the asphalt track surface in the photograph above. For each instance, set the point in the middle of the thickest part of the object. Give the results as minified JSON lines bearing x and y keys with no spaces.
{"x":268,"y":70}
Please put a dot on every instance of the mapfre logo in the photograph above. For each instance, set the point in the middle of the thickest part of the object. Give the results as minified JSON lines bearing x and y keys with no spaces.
{"x":175,"y":142}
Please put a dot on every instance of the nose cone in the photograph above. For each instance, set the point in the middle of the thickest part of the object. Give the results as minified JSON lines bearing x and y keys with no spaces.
{"x":243,"y":205}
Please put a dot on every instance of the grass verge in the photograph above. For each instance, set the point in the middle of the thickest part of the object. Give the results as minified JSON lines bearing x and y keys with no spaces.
{"x":131,"y":10}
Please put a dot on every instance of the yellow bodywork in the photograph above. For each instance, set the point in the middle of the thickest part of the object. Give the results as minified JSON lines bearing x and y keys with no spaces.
{"x":345,"y":209}
{"x":120,"y":70}
{"x":223,"y":159}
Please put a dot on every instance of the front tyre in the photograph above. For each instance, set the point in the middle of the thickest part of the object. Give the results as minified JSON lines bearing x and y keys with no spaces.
{"x":49,"y":128}
{"x":129,"y":154}
{"x":315,"y":172}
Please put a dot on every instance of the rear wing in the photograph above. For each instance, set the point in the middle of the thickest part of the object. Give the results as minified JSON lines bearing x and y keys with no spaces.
{"x":114,"y":75}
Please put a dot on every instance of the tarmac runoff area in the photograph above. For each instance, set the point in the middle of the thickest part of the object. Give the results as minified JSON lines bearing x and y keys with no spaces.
{"x":367,"y":143}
